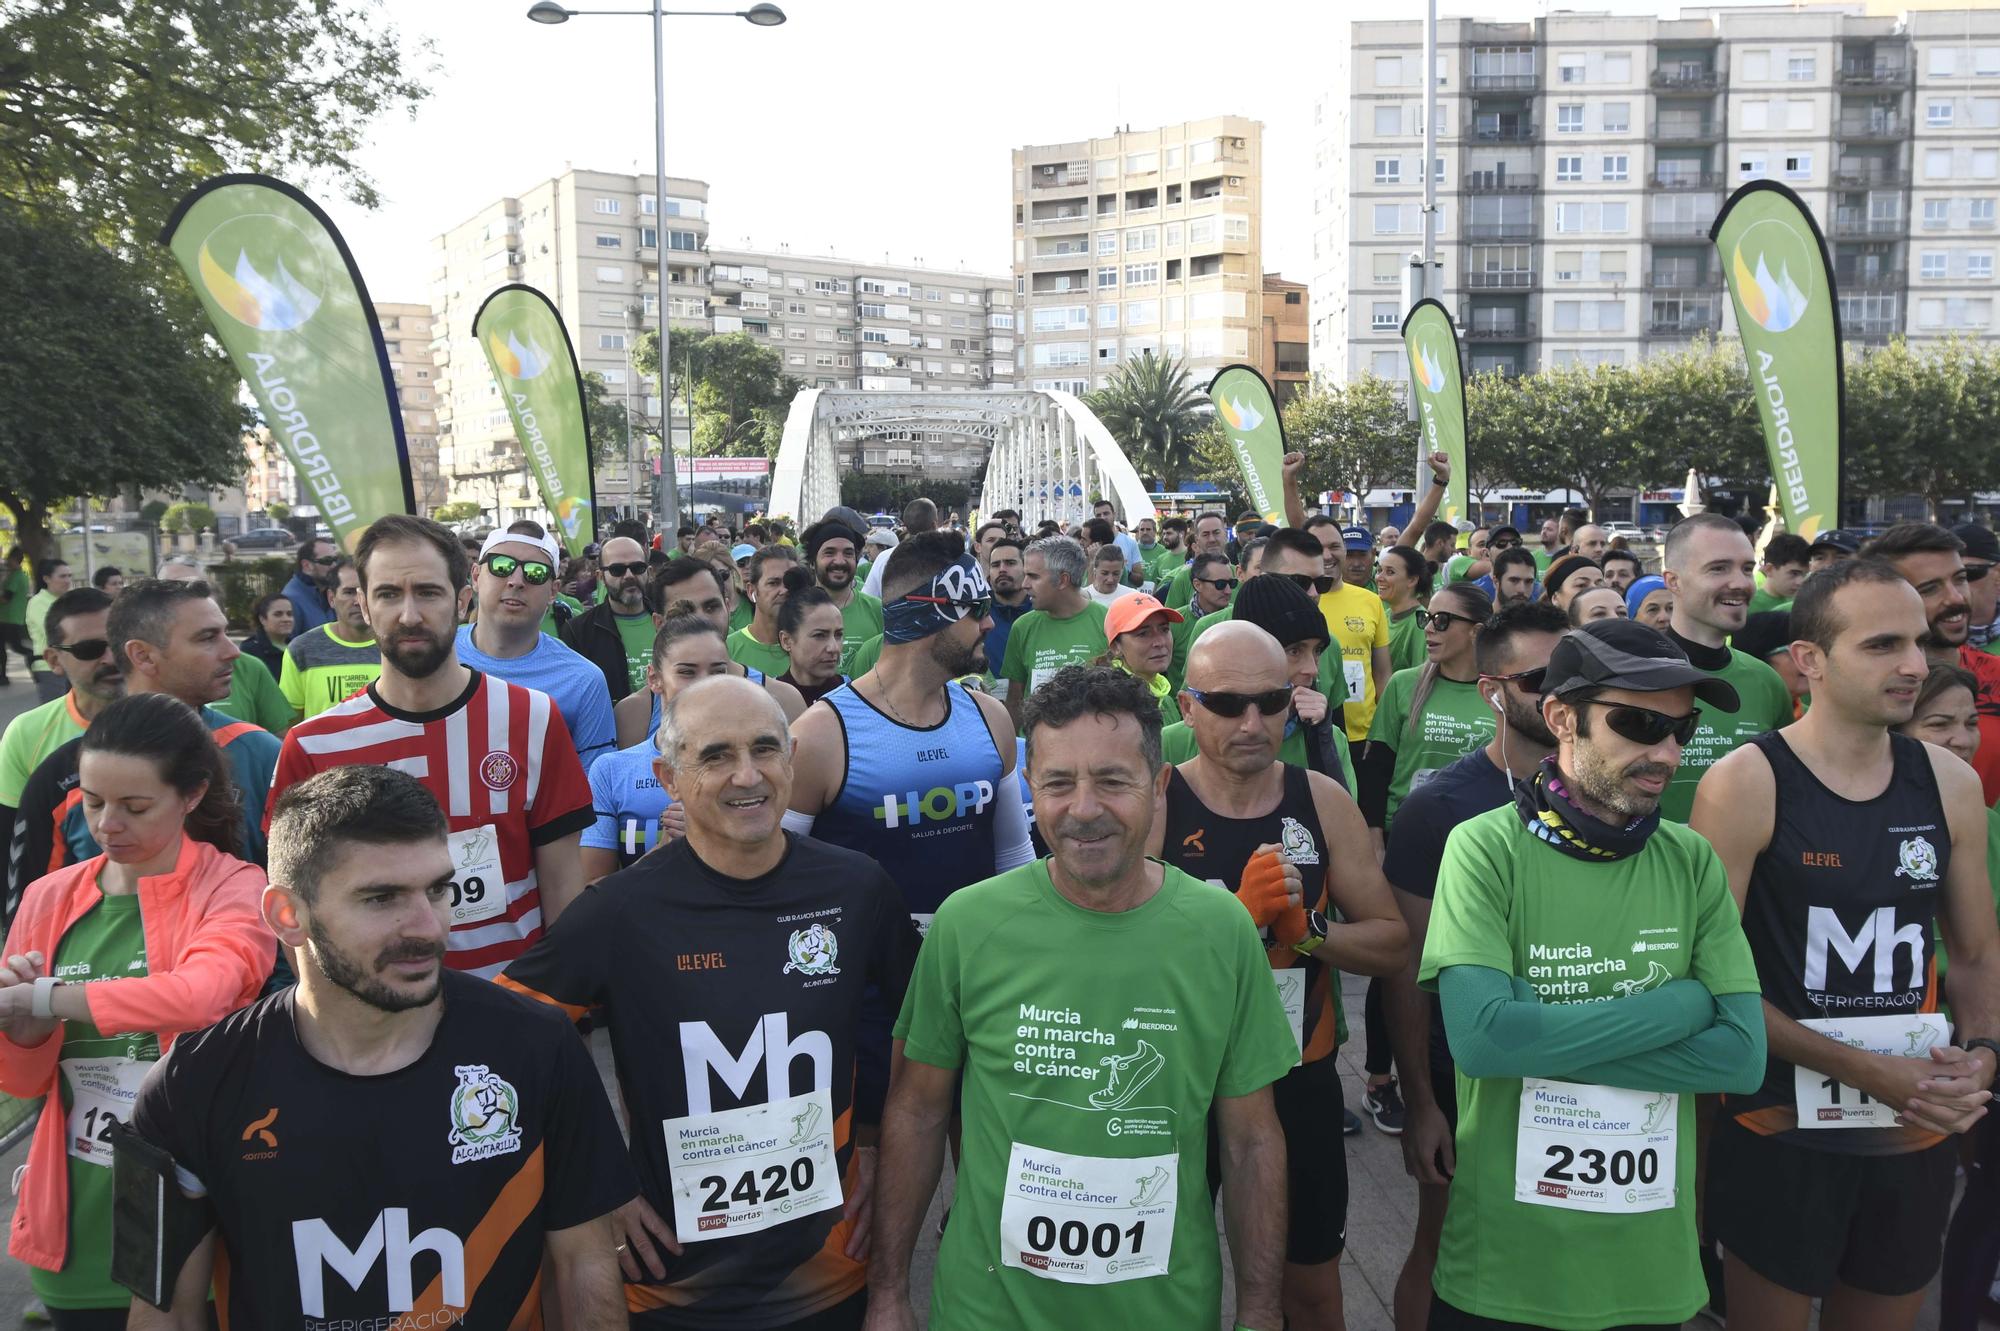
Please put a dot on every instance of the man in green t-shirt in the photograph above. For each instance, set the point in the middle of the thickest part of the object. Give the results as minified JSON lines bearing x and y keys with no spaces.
{"x":1594,"y":978}
{"x":1207,"y":537}
{"x":14,"y":594}
{"x":1096,"y":1007}
{"x":831,"y":547}
{"x":1065,"y":627}
{"x":75,"y":629}
{"x":616,"y":634}
{"x":1787,"y":560}
{"x":1710,"y":568}
{"x":1156,"y":562}
{"x":328,"y":665}
{"x":756,"y":643}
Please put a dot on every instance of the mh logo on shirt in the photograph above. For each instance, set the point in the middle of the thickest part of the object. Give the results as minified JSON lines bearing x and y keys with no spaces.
{"x":939,"y":804}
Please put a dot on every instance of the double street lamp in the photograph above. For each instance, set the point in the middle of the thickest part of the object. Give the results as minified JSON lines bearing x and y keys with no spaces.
{"x":666,"y":488}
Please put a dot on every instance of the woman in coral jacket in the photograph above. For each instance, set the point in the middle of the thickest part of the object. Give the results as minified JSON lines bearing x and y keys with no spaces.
{"x":108,"y":960}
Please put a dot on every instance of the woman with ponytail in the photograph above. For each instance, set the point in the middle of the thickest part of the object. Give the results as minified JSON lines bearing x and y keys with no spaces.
{"x":1403,"y":579}
{"x":109,"y":959}
{"x":813,"y":633}
{"x":1432,"y":714}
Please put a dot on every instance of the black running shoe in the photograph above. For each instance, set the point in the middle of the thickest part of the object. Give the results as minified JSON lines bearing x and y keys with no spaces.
{"x":1350,"y":1126}
{"x":1384,"y":1104}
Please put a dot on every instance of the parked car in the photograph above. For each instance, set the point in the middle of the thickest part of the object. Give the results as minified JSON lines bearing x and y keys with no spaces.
{"x":265,"y":538}
{"x":1629,"y":530}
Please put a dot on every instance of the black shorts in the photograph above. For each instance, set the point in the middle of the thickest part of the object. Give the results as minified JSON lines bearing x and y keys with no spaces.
{"x":1445,"y":1317}
{"x":1805,"y":1219}
{"x":1444,"y":1086}
{"x":1309,"y":1105}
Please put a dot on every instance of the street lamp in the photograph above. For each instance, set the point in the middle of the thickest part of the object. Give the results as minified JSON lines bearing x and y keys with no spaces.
{"x":666,"y":490}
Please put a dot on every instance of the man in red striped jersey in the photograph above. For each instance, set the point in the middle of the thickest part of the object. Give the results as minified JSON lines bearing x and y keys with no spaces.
{"x":497,"y":756}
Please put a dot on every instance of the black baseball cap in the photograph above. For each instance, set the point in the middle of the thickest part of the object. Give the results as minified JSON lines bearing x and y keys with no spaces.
{"x":1624,"y":654}
{"x":1980,"y":542}
{"x":1839,"y":538}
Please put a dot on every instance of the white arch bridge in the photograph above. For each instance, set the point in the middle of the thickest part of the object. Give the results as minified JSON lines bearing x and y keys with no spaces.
{"x":1048,"y":454}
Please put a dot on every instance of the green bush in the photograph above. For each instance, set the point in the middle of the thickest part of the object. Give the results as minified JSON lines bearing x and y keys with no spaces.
{"x":244,"y":582}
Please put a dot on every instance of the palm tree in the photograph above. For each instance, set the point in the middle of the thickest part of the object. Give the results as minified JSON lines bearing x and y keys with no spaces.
{"x":1155,"y":414}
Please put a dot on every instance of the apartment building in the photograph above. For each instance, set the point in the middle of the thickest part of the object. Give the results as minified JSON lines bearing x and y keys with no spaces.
{"x":1147,"y":240}
{"x":1581,"y":159}
{"x":593,"y":242}
{"x":1287,"y":329}
{"x":269,"y":477}
{"x":406,"y":334}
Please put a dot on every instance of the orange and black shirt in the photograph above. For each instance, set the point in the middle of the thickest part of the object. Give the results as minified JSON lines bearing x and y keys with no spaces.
{"x":418,"y":1198}
{"x":724,"y":994}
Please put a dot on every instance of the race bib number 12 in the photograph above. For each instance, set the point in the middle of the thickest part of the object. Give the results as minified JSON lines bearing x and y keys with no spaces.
{"x":1595,"y":1148}
{"x":1088,"y":1219}
{"x":741,"y":1170}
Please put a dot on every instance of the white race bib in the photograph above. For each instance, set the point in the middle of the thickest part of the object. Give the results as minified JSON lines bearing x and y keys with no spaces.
{"x":1041,"y":675}
{"x":1825,"y":1103}
{"x":478,"y":889}
{"x":1595,"y":1148}
{"x":1088,"y":1219}
{"x":1356,"y":675}
{"x":922,"y":919}
{"x":1292,"y":997}
{"x":741,"y":1170}
{"x":102,"y":1092}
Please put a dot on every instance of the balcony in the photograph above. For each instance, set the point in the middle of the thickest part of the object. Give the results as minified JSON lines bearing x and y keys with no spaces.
{"x":1871,"y":281}
{"x":1504,"y":82}
{"x":1687,"y":180}
{"x":1068,"y":221}
{"x":1856,"y":175}
{"x":1512,"y":279}
{"x":1059,"y":180}
{"x":1864,"y":75}
{"x":1854,"y":225}
{"x":1512,"y":330}
{"x":1687,"y":80}
{"x":1686,"y":323}
{"x":1521,"y":230}
{"x":1871,"y":326}
{"x":1678,"y":228}
{"x":1671,"y":282}
{"x":1497,"y":182}
{"x":1684,"y":131}
{"x":1876,"y":126}
{"x":1520,"y":132}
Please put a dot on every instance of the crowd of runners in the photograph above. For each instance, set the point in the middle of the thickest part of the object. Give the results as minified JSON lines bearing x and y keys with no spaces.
{"x":1041,"y":848}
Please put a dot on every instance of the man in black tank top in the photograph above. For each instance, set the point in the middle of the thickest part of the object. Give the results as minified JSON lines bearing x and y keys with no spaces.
{"x":1847,"y":847}
{"x":1292,"y":845}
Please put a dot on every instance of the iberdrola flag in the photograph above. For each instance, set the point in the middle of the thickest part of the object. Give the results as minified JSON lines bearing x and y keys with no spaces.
{"x":1774,"y":261}
{"x":1437,"y":377}
{"x":287,"y":303}
{"x":1256,"y":436}
{"x":529,"y":349}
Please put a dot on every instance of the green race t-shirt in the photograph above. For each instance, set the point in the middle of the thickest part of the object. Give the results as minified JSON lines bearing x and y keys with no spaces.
{"x":1092,"y":1046}
{"x":31,"y":737}
{"x":323,"y":669}
{"x":255,"y":697}
{"x":1160,"y":563}
{"x":1543,"y":558}
{"x":865,"y":657}
{"x":1406,"y":641}
{"x":1455,"y":569}
{"x":1579,"y":933}
{"x":1179,"y":589}
{"x":18,"y":589}
{"x":768,"y":657}
{"x":861,"y":619}
{"x":1040,"y":644}
{"x":107,"y":943}
{"x":1761,"y":600}
{"x":1764,"y":704}
{"x":1455,"y":721}
{"x":635,"y":633}
{"x":741,"y":614}
{"x":37,"y":620}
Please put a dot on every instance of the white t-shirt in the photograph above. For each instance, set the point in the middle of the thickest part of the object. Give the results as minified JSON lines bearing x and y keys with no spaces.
{"x":1106,"y":598}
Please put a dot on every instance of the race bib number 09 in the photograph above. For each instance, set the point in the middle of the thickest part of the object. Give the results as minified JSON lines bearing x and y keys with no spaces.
{"x":1595,"y":1148}
{"x":1825,"y":1103}
{"x":478,"y":889}
{"x":1087,"y":1219}
{"x":741,"y":1170}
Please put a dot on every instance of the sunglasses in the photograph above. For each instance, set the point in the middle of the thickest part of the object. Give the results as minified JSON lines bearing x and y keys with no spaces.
{"x":87,"y":650}
{"x":1322,"y":583}
{"x":1977,"y":572}
{"x":1529,"y":680}
{"x":1443,"y":619}
{"x":533,"y":571}
{"x":1231,"y":705}
{"x":326,"y":561}
{"x":625,"y":570}
{"x":974,"y":609}
{"x":1642,"y":725}
{"x":1220,"y":584}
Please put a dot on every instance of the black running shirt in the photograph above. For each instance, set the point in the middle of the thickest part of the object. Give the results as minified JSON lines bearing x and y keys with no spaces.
{"x":729,"y":995}
{"x":417,"y":1198}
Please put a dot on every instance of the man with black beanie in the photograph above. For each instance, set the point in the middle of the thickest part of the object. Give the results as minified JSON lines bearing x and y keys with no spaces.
{"x":833,"y":550}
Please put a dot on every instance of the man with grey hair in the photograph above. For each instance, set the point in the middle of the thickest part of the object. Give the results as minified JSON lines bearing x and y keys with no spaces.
{"x":1065,"y":628}
{"x":254,"y":696}
{"x":737,"y":936}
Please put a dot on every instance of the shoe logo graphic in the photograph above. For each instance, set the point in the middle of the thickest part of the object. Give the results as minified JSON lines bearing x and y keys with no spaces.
{"x":1128,"y":1074}
{"x":804,"y":1125}
{"x":1655,"y":973}
{"x":1150,"y":1186}
{"x":1656,"y":1113}
{"x":1921,"y":1039}
{"x":1288,"y":989}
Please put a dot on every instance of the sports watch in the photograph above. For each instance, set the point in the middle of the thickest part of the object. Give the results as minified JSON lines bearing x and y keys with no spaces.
{"x":1316,"y":927}
{"x":1981,"y":1042}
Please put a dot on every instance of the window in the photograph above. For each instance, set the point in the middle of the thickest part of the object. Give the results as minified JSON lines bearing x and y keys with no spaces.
{"x":1142,"y":273}
{"x":1980,"y":213}
{"x":1617,"y":117}
{"x":1756,"y":115}
{"x":874,"y":310}
{"x":1140,"y":313}
{"x":1388,"y":219}
{"x":605,"y":207}
{"x":611,"y":341}
{"x":1569,"y":118}
{"x":1107,"y":315}
{"x":608,"y":241}
{"x":1937,"y":212}
{"x":1986,"y":61}
{"x":1590,"y":316}
{"x":1388,"y":121}
{"x":1937,"y":115}
{"x":1932,"y":264}
{"x":1569,"y":69}
{"x":1388,"y":170}
{"x":1750,"y":166}
{"x":1107,"y":277}
{"x":1386,"y":364}
{"x":1569,"y":265}
{"x":1136,"y":163}
{"x":610,"y":273}
{"x":1617,"y":166}
{"x":683,"y":240}
{"x":1617,"y":68}
{"x":1986,"y":112}
{"x":1979,"y":265}
{"x":1107,"y":242}
{"x":1757,"y":66}
{"x":822,"y":335}
{"x":648,"y":205}
{"x":1385,"y":314}
{"x":1388,"y":71}
{"x":1798,"y":113}
{"x":1387,"y":268}
{"x":1615,"y":215}
{"x":1937,"y":164}
{"x":1201,"y":231}
{"x":1985,"y":163}
{"x":1798,"y":166}
{"x":796,"y":358}
{"x":1142,"y":238}
{"x":1799,"y":69}
{"x":1569,"y":168}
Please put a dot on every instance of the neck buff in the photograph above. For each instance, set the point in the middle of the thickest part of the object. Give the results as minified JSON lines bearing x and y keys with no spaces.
{"x":949,"y":597}
{"x":1549,"y":811}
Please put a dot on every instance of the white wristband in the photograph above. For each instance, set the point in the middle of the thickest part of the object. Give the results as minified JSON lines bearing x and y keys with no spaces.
{"x":45,"y":989}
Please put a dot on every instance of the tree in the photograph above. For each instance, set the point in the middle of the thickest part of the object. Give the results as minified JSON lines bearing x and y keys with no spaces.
{"x":277,"y":510}
{"x":101,"y":390}
{"x":1356,"y":436}
{"x":741,"y":390}
{"x":1923,"y":422}
{"x":1155,"y":414}
{"x":1693,"y":408}
{"x":606,"y":415}
{"x":187,"y":517}
{"x":458,"y":510}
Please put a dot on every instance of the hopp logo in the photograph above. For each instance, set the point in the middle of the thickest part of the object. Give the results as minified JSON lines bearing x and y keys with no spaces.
{"x":247,"y":264}
{"x":1767,"y":255}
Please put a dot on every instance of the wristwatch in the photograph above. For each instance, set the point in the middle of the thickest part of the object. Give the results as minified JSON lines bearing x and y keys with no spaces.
{"x":1316,"y":927}
{"x":44,"y":990}
{"x":1981,"y":1042}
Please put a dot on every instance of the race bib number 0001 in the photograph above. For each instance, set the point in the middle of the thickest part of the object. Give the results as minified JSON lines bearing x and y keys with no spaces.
{"x":1825,"y":1103}
{"x":478,"y":890}
{"x":1595,"y":1148}
{"x":1088,"y":1219}
{"x":102,"y":1092}
{"x":741,"y":1170}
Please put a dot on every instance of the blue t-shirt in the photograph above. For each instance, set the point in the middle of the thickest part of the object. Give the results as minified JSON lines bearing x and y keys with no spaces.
{"x":628,"y":800}
{"x":576,"y":686}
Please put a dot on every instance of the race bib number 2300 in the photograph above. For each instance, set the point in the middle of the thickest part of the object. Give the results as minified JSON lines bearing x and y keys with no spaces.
{"x":1595,"y":1148}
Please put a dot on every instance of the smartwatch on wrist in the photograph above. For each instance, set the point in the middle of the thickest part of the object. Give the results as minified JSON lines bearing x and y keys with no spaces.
{"x":1316,"y":927}
{"x":44,"y":990}
{"x":1990,"y":1046}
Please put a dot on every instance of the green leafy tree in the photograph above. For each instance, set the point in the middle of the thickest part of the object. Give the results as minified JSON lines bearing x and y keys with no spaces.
{"x":1693,"y":408}
{"x":1923,"y":422}
{"x":457,"y":510}
{"x":1356,"y":436}
{"x":741,"y":390}
{"x":187,"y":518}
{"x":277,"y":510}
{"x":606,"y":415}
{"x":1157,"y":415}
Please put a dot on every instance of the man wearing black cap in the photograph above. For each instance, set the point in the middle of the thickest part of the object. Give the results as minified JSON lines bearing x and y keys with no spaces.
{"x":832,"y":550}
{"x":1982,"y":593}
{"x":1833,"y":545}
{"x":1594,"y":978}
{"x":1847,"y":846}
